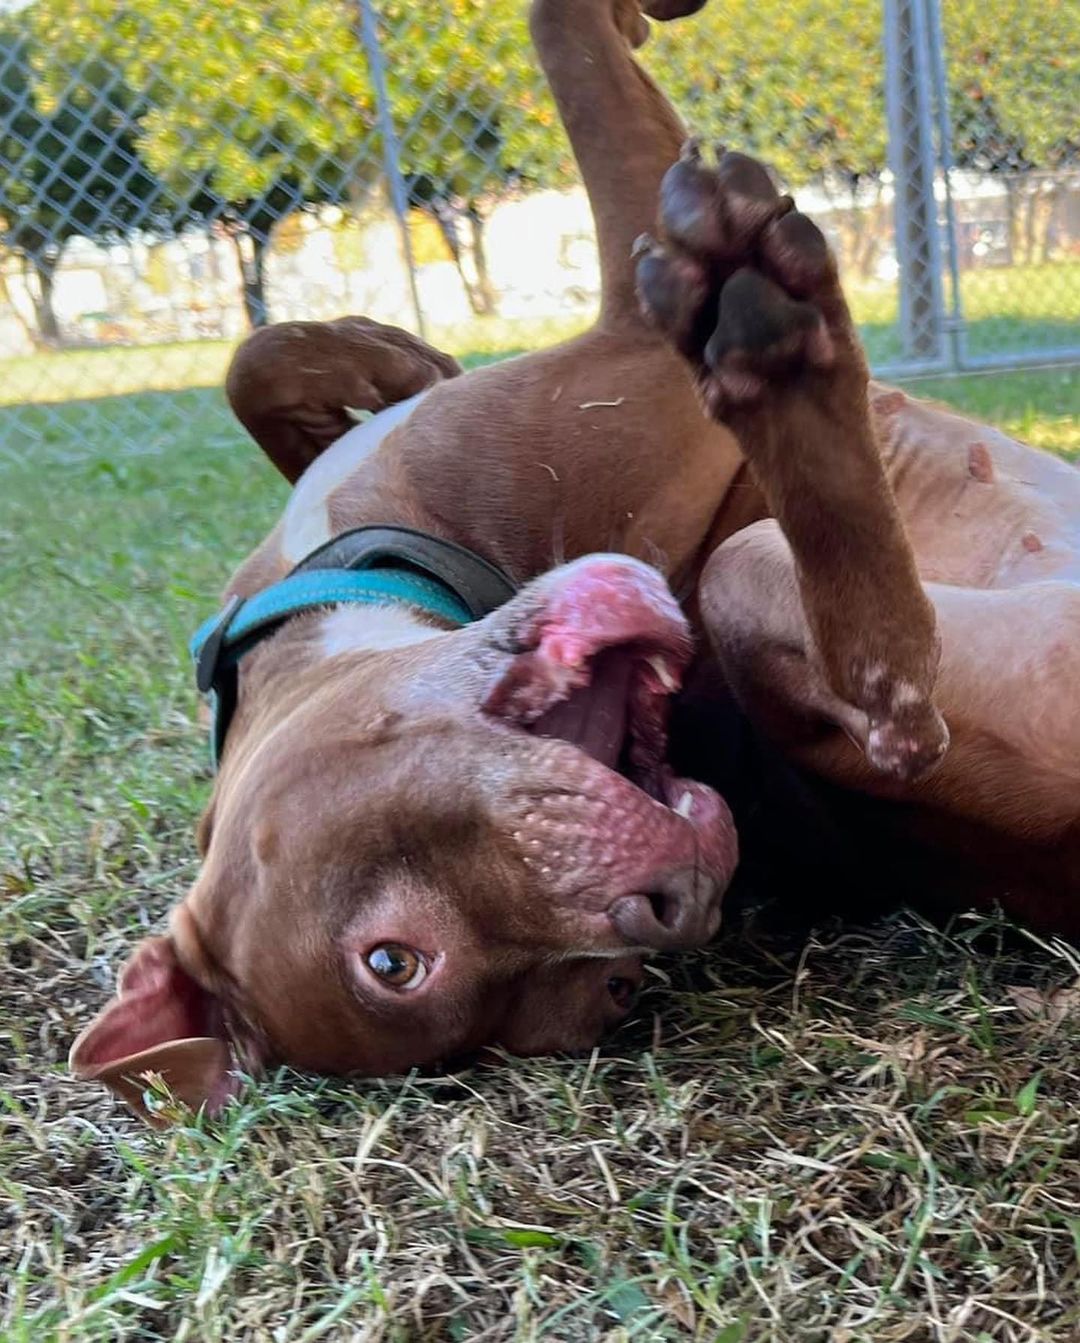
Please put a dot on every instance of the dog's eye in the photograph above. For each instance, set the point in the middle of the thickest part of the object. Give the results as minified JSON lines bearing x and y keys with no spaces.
{"x":398,"y":966}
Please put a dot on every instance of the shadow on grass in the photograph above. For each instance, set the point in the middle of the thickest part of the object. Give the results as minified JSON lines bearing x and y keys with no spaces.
{"x":132,"y":421}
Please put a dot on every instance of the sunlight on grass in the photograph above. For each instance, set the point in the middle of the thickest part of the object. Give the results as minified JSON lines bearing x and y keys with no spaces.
{"x":1037,"y":406}
{"x":70,"y":375}
{"x":1022,"y":308}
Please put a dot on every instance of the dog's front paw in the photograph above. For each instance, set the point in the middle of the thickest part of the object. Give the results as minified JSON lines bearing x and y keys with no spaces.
{"x":741,"y":282}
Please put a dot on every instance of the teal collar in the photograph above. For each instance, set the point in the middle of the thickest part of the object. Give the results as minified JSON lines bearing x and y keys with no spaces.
{"x":367,"y":566}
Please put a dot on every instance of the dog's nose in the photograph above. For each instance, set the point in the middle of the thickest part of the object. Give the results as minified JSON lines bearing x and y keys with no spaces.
{"x":675,"y":919}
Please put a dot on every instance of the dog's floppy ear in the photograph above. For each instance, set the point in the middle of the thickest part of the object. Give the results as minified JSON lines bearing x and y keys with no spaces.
{"x":161,"y":1021}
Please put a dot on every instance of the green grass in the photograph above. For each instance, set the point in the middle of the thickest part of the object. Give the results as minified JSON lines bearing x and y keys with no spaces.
{"x":1028,"y":308}
{"x":1038,"y":406}
{"x":59,"y":376}
{"x":840,"y":1136}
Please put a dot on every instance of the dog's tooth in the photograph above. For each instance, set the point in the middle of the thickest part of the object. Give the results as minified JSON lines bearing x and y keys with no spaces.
{"x":685,"y":805}
{"x":664,"y":674}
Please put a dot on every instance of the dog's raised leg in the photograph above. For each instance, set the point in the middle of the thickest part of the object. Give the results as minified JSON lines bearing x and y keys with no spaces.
{"x":746,"y":288}
{"x":294,"y":385}
{"x":624,"y":132}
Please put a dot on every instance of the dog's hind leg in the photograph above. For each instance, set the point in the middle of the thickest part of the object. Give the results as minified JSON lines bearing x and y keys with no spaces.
{"x":624,"y":132}
{"x":297,"y":387}
{"x":293,"y":385}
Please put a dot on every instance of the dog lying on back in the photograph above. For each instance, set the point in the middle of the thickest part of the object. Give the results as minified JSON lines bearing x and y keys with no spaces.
{"x":446,"y":815}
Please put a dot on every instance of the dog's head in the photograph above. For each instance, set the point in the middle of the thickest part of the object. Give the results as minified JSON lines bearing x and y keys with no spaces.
{"x":415,"y":852}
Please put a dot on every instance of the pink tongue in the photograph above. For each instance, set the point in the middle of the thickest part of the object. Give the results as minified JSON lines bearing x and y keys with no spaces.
{"x":594,"y":718}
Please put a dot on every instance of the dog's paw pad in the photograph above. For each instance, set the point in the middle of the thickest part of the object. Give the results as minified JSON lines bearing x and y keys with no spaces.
{"x":748,"y":195}
{"x":761,"y":333}
{"x":717,"y":212}
{"x":674,"y":293}
{"x":796,"y":255}
{"x":690,"y":213}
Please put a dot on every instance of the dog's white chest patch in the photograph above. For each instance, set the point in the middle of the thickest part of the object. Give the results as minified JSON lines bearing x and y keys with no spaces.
{"x":306,"y":523}
{"x":350,"y":629}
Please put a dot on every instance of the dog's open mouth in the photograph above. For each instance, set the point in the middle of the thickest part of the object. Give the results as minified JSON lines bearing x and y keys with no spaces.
{"x":594,"y":662}
{"x":596,"y":666}
{"x":619,"y":718}
{"x":612,"y":703}
{"x":613,"y":707}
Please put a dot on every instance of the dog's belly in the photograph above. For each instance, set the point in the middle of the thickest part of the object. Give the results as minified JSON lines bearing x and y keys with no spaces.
{"x":306,"y":522}
{"x":981,"y":509}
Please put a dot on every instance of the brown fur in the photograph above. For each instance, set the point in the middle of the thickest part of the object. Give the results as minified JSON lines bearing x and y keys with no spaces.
{"x":293,"y":388}
{"x":366,"y":795}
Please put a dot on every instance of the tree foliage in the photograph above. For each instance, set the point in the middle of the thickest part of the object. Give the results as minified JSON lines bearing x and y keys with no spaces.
{"x":270,"y":107}
{"x":244,"y":112}
{"x":69,"y":166}
{"x":1015,"y":70}
{"x":799,"y":82}
{"x":474,"y":117}
{"x":258,"y":109}
{"x":1015,"y":91}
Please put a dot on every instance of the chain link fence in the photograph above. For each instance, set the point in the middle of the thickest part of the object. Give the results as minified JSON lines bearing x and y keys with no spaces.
{"x":173,"y":172}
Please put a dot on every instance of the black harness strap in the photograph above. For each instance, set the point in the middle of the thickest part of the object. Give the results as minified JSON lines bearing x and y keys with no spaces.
{"x":481,"y":586}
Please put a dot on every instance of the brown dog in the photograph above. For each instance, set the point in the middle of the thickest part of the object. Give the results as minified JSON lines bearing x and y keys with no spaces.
{"x":427,"y":835}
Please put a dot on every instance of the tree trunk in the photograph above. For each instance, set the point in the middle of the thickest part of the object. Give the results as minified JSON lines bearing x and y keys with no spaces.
{"x":44,"y":269}
{"x":251,"y":248}
{"x":1012,"y":218}
{"x":869,"y":244}
{"x":31,"y":334}
{"x":1065,"y":214}
{"x":1054,"y":200}
{"x":446,"y":218}
{"x":864,"y":233}
{"x":485,"y":289}
{"x":1030,"y":210}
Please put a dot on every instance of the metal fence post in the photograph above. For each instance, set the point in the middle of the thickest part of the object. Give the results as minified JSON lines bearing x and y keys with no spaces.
{"x":954,"y":323}
{"x":399,"y":198}
{"x":909,"y":83}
